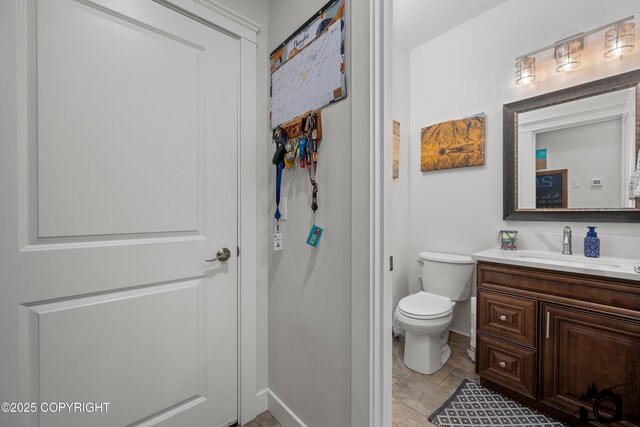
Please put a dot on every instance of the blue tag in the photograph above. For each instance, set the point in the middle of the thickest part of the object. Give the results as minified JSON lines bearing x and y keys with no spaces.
{"x":314,"y":236}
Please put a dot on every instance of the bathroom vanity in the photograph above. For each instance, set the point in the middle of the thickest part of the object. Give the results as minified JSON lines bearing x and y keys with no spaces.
{"x":560,"y":333}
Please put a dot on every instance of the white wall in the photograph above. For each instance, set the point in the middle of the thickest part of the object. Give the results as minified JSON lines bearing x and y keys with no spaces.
{"x":587,"y":151}
{"x":306,"y":355}
{"x":400,"y":187}
{"x":310,"y":289}
{"x":470,"y":69}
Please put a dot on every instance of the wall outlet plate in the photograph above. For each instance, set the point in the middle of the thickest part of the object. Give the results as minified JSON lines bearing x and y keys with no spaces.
{"x":596,"y":182}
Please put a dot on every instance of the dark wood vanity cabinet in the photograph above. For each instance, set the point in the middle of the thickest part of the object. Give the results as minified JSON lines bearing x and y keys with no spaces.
{"x":583,"y":348}
{"x":559,"y":342}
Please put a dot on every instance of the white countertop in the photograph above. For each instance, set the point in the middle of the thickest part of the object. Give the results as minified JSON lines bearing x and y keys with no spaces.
{"x":620,"y":268}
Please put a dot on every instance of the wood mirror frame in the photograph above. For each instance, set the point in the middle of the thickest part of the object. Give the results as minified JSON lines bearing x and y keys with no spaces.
{"x":511,"y":212}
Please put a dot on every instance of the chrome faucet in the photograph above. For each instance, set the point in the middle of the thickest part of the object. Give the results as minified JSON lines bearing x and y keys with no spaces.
{"x":566,"y":241}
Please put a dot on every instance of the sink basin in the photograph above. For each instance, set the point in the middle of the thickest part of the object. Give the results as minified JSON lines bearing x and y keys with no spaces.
{"x":622,"y":268}
{"x":573,"y":259}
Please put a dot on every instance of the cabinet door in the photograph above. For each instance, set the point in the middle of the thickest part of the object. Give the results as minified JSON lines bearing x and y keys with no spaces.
{"x":584,"y":354}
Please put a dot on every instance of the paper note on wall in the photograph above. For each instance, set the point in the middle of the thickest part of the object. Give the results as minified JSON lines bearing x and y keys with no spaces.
{"x":541,"y":159}
{"x":310,"y":80}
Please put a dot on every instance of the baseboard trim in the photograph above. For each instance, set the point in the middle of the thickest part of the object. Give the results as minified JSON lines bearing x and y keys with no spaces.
{"x":285,"y":416}
{"x":466,"y":334}
{"x":262,"y":403}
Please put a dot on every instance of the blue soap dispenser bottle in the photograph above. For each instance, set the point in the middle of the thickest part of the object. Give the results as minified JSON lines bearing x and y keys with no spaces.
{"x":592,"y":243}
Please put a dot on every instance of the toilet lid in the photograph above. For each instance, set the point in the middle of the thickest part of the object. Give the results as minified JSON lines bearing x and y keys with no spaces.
{"x":424,"y":305}
{"x":447,"y":258}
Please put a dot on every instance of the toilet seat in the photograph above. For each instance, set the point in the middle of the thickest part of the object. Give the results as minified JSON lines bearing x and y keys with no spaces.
{"x":424,"y":306}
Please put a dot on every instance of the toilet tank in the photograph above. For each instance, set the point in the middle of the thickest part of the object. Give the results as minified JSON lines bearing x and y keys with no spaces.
{"x":447,"y":275}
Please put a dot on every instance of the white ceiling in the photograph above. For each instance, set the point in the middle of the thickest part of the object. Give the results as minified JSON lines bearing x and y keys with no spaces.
{"x":417,"y":21}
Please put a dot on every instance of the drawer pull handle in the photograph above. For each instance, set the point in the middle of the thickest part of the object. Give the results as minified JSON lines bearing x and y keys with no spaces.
{"x":548,"y":318}
{"x":502,"y":365}
{"x":503,"y":318}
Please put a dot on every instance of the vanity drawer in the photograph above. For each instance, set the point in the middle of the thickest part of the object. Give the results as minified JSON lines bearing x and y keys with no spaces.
{"x":508,"y":364}
{"x":507,"y":316}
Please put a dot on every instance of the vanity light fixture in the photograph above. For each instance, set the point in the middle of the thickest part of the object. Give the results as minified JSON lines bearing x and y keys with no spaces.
{"x":567,"y":54}
{"x":619,"y":39}
{"x":525,"y":70}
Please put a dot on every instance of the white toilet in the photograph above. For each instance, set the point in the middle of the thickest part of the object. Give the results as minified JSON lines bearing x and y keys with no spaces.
{"x":426,"y":315}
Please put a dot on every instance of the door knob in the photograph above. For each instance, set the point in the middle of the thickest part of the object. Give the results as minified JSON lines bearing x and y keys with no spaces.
{"x":502,"y":365}
{"x":222,"y":255}
{"x":503,"y":318}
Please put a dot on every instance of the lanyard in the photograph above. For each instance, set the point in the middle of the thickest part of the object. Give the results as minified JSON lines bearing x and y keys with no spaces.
{"x":278,"y":183}
{"x":280,"y":139}
{"x":312,"y":159}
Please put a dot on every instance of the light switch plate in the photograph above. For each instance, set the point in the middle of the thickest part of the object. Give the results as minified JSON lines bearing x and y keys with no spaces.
{"x":283,"y":208}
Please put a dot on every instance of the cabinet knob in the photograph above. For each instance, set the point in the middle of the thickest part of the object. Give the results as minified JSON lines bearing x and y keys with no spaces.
{"x":502,"y":364}
{"x":503,"y":318}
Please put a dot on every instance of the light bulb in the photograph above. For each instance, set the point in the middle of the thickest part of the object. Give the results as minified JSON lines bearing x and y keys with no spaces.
{"x":525,"y":70}
{"x":568,"y":56}
{"x":619,"y":40}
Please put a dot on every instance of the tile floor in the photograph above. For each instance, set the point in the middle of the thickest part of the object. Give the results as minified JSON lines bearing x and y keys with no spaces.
{"x":265,"y":419}
{"x":415,"y":396}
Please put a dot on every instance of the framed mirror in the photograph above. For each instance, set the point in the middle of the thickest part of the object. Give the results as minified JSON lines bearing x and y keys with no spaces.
{"x":569,"y":154}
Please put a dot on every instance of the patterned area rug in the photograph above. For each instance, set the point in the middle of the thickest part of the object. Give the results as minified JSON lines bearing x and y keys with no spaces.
{"x":474,"y":405}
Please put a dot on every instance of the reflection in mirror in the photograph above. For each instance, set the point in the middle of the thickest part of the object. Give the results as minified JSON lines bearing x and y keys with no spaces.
{"x":578,"y":154}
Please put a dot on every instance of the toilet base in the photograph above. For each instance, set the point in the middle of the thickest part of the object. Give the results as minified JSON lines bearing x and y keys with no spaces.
{"x":426,"y":354}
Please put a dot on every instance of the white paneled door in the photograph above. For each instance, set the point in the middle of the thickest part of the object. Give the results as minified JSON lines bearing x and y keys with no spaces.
{"x":120,"y":181}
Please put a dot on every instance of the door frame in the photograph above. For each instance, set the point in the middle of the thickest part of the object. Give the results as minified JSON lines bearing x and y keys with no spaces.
{"x":380,"y":328}
{"x":214,"y":15}
{"x":371,"y":356}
